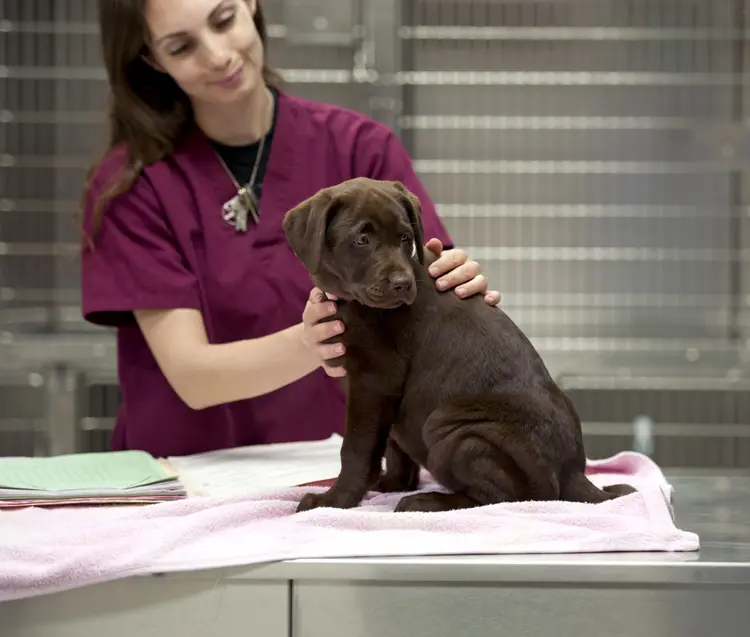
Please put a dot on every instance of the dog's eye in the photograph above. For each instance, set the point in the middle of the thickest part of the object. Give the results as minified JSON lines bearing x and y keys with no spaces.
{"x":406,"y":238}
{"x":362,"y":240}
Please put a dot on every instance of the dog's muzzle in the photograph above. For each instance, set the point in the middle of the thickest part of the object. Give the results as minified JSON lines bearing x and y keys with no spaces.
{"x":397,"y":288}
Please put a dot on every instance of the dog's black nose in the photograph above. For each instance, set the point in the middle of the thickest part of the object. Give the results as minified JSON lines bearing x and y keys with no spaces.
{"x":400,"y":282}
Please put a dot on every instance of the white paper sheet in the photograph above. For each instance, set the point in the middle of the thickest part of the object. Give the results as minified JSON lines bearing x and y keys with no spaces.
{"x":250,"y":469}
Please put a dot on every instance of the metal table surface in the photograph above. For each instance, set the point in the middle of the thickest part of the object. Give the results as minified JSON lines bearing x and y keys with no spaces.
{"x":665,"y":594}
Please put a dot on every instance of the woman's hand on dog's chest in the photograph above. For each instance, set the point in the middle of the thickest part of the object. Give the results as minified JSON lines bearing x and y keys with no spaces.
{"x":323,"y":335}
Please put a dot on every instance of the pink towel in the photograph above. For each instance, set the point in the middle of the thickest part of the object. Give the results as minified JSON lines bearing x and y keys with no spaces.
{"x":48,"y":550}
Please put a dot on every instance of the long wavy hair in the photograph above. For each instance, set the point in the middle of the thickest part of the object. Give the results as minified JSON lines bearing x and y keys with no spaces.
{"x":148,"y":112}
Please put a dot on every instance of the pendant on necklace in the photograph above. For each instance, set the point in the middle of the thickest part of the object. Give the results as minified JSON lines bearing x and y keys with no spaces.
{"x":243,"y":205}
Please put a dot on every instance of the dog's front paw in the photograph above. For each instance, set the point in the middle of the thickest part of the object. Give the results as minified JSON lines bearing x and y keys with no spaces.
{"x":330,"y":499}
{"x":310,"y":501}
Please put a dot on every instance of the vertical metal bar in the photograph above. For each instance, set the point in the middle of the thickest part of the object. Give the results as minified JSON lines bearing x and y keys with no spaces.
{"x":59,"y":90}
{"x":62,"y":410}
{"x":383,"y":56}
{"x":736,"y":178}
{"x":291,"y":609}
{"x":408,"y":102}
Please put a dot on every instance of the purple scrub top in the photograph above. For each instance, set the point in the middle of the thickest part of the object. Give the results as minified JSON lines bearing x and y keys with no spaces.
{"x":164,"y":244}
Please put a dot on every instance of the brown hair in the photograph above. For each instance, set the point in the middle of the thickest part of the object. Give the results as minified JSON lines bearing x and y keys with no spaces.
{"x":147,"y":111}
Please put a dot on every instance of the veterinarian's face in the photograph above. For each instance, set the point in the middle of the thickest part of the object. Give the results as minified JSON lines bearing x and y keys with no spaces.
{"x":374,"y":253}
{"x":210,"y":48}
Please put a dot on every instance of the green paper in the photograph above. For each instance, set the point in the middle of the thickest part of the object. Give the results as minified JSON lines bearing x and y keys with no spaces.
{"x":94,"y":472}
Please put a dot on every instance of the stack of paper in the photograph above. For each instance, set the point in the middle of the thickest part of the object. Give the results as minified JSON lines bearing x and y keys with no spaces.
{"x":246,"y":470}
{"x":118,"y":477}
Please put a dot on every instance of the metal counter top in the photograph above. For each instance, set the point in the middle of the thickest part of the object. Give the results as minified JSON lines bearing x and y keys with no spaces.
{"x":666,"y":594}
{"x":717,"y":508}
{"x":669,"y":594}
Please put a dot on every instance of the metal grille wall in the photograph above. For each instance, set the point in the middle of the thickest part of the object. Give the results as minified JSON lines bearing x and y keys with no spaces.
{"x":571,"y":145}
{"x":588,"y":153}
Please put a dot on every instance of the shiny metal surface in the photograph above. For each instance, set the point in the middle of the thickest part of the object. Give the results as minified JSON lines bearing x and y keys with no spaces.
{"x":628,"y":595}
{"x":715,"y":507}
{"x":183,"y":606}
{"x":622,"y":595}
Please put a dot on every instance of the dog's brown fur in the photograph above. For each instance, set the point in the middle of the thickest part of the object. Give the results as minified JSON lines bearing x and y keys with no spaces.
{"x":433,"y":380}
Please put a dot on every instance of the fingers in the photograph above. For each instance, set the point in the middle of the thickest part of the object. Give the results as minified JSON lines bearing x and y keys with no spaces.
{"x":448,"y":260}
{"x":477,"y":285}
{"x":492,"y":298}
{"x":334,"y":372}
{"x":467,"y":275}
{"x":318,"y":310}
{"x":316,"y":332}
{"x":323,"y":331}
{"x":435,"y":246}
{"x":330,"y":351}
{"x":318,"y":296}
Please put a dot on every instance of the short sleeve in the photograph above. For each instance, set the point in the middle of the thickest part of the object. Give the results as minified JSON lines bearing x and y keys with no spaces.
{"x":135,"y":261}
{"x":386,"y":158}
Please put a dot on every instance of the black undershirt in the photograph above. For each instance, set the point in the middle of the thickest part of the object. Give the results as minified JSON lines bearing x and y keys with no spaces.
{"x":241,"y":159}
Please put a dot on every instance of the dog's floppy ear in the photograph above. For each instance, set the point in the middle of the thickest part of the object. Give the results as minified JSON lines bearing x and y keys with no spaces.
{"x":414,"y":209}
{"x":305,"y":227}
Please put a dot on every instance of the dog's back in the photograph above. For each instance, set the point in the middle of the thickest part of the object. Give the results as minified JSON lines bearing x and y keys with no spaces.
{"x":471,"y":367}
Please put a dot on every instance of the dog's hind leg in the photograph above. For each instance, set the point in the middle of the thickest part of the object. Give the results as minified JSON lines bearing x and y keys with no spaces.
{"x":480,"y":459}
{"x":435,"y":501}
{"x":474,"y":474}
{"x":578,"y":488}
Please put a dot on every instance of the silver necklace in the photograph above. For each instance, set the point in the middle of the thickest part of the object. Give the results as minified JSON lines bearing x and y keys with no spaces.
{"x":244,"y":204}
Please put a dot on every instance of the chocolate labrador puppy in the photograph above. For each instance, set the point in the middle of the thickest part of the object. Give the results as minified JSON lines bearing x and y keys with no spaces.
{"x":432,"y":380}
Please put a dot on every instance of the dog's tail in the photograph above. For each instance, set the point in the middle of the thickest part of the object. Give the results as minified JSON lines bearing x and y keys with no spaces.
{"x":578,"y":488}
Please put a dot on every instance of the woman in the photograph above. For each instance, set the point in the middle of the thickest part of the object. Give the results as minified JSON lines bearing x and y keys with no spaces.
{"x":207,"y":300}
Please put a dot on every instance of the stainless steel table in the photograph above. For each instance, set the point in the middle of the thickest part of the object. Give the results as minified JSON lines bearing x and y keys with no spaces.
{"x":621,"y":595}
